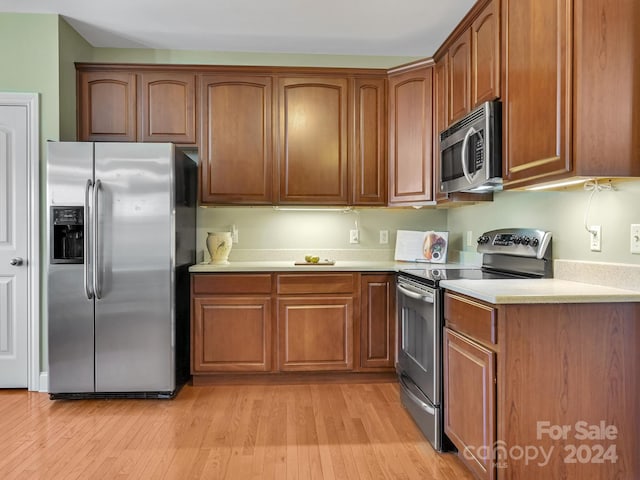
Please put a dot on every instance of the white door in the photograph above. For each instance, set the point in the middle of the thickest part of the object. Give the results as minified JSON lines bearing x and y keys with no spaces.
{"x":14,"y":220}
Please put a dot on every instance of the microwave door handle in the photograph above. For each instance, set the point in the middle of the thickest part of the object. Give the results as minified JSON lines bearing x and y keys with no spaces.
{"x":465,"y":168}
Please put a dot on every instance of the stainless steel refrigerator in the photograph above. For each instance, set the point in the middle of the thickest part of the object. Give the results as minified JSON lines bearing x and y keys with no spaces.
{"x":120,"y":240}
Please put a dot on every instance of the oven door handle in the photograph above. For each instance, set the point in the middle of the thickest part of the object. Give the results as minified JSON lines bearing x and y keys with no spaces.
{"x":424,"y":406}
{"x":425,"y":297}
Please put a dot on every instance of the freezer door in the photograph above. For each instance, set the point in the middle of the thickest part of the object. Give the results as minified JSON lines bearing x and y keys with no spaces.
{"x":69,"y":311}
{"x":134,"y":320}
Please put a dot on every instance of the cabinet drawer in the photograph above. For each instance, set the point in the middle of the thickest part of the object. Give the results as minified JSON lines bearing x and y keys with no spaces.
{"x":208,"y":284}
{"x":300,"y":283}
{"x":471,"y":318}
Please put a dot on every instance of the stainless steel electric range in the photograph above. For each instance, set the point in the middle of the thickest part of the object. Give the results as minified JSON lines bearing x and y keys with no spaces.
{"x":507,"y":253}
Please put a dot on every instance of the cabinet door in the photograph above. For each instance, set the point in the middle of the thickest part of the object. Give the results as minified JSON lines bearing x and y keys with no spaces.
{"x":315,"y":333}
{"x":536,"y":88}
{"x":231,"y":334}
{"x":369,"y":158}
{"x":469,"y":398}
{"x":460,"y":77}
{"x":168,"y":107}
{"x":313,"y":141}
{"x":236,"y":140}
{"x":107,"y":106}
{"x":377,"y":321}
{"x":485,"y":55}
{"x":410,"y":137}
{"x":440,"y":121}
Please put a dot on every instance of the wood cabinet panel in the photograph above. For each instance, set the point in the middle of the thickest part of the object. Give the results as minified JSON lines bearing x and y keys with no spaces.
{"x":236,"y":142}
{"x":369,"y":160}
{"x":168,"y":104}
{"x":305,"y":283}
{"x":440,"y":121}
{"x":471,"y":318}
{"x":536,"y":88}
{"x":231,"y":334}
{"x":377,"y":321}
{"x":107,"y":106}
{"x":460,"y":77}
{"x":469,"y":396}
{"x":485,"y":55}
{"x":410,"y":136}
{"x":313,"y":141}
{"x":232,"y":283}
{"x":315,"y":333}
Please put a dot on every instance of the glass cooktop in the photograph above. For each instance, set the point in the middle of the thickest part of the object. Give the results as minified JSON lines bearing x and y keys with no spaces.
{"x":431,"y":276}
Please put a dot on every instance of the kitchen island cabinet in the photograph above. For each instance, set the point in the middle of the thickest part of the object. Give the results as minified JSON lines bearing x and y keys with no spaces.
{"x":559,"y":367}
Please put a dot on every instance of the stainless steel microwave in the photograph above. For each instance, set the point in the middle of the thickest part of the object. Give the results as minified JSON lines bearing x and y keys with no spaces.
{"x":471,"y":151}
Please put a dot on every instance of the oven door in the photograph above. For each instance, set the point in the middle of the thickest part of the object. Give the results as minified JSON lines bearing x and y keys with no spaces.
{"x":420,"y":337}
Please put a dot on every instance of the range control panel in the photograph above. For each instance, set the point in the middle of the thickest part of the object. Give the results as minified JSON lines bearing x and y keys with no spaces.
{"x":523,"y":242}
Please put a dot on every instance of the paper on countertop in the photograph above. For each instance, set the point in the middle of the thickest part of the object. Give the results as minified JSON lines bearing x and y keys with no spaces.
{"x":413,"y":246}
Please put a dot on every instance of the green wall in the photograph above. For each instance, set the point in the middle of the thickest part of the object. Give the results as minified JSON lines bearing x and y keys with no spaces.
{"x":561,"y":212}
{"x":29,"y":58}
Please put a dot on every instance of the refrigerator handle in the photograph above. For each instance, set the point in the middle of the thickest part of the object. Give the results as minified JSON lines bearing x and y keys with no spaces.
{"x":96,"y":246}
{"x":88,"y":290}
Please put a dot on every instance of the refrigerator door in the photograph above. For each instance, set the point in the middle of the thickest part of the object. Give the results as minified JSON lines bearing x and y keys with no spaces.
{"x":69,"y":310}
{"x":134,"y":317}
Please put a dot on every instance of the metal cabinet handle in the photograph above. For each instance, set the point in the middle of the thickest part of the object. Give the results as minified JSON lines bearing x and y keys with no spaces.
{"x":16,"y":262}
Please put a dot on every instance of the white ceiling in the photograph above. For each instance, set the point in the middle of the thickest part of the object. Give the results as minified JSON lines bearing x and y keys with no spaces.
{"x":350,"y":27}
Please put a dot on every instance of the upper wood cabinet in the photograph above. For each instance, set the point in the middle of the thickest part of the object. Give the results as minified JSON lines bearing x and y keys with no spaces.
{"x":236,"y":154}
{"x":107,"y":106}
{"x":369,"y":159}
{"x":460,"y":77}
{"x":410,"y":136}
{"x":473,"y":60}
{"x":130,"y":106}
{"x":440,"y":103}
{"x":168,"y":104}
{"x":313,"y":141}
{"x":537,"y":88}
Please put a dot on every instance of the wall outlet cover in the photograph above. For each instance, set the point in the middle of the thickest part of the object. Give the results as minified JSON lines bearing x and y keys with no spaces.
{"x":635,"y":238}
{"x":354,"y":236}
{"x":595,"y":235}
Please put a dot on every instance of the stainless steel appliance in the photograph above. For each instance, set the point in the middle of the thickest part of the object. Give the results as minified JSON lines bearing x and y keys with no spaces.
{"x":121,"y":238}
{"x":507,"y":253}
{"x":471,"y":151}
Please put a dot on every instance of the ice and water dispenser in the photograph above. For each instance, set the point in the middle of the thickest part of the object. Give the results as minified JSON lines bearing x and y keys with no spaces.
{"x":67,"y":224}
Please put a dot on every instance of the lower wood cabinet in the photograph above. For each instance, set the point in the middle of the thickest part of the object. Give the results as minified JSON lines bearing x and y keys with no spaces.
{"x":292,"y":322}
{"x":315,"y":333}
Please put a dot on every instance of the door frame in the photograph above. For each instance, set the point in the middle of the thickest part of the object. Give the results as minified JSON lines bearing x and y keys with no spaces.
{"x":31,"y":102}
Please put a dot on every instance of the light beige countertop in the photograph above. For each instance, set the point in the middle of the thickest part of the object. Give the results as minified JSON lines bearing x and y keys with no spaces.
{"x":288,"y":266}
{"x":546,"y":290}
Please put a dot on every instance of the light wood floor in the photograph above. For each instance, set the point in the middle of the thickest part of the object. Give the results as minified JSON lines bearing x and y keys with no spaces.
{"x":320,"y":431}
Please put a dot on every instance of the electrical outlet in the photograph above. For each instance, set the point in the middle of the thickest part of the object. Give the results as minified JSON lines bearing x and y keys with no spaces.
{"x":354,"y":236}
{"x":635,"y":238}
{"x":384,"y":237}
{"x":596,"y":232}
{"x":234,"y":234}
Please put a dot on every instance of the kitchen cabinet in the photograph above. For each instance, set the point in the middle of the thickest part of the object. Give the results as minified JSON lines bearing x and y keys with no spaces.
{"x":537,"y":88}
{"x":411,"y":135}
{"x":369,"y":158}
{"x":440,"y":105}
{"x":168,"y":107}
{"x":472,"y":55}
{"x":315,"y":321}
{"x":136,"y":106}
{"x":313,"y":142}
{"x":377,"y":321}
{"x":107,"y":106}
{"x":236,"y":154}
{"x":231,"y":323}
{"x":513,"y":371}
{"x":469,"y":381}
